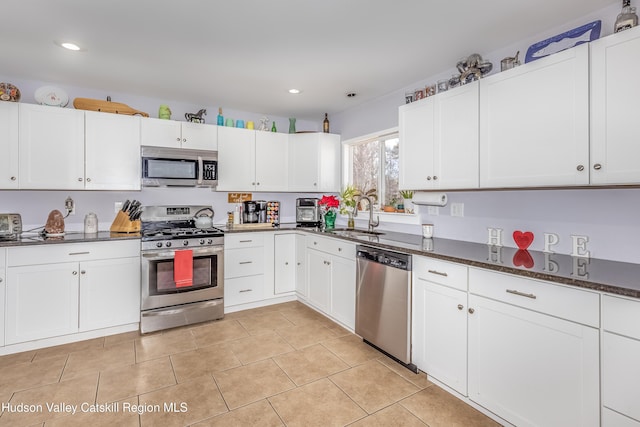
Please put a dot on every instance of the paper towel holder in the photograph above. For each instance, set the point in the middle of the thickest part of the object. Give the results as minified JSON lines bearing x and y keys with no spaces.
{"x":425,"y":198}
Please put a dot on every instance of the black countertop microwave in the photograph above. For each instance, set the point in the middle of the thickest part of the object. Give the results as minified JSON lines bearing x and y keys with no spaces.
{"x":177,"y":167}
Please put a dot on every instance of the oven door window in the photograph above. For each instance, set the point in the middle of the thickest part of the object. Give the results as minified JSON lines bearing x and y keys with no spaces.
{"x":205,"y":273}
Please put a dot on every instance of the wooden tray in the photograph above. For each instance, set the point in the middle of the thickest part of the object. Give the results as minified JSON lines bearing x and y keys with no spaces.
{"x":105,"y":106}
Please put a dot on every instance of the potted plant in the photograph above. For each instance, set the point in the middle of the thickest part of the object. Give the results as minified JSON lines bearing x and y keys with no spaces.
{"x":407,"y":195}
{"x":328,"y":205}
{"x":348,"y":198}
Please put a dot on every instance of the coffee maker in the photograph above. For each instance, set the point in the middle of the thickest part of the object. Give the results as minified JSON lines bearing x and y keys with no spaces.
{"x":249,"y":213}
{"x":308,"y":212}
{"x":261,"y":210}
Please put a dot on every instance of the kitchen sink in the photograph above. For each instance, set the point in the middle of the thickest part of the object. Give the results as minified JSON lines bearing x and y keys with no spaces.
{"x":354,"y":232}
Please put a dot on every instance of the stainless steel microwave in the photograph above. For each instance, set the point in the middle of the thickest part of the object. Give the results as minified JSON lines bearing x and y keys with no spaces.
{"x":176,"y":167}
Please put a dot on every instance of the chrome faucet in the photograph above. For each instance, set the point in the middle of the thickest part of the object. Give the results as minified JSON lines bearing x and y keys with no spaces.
{"x":372,"y":224}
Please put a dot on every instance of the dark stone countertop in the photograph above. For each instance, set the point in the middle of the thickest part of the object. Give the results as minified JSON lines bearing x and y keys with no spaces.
{"x":615,"y":277}
{"x":69,"y":237}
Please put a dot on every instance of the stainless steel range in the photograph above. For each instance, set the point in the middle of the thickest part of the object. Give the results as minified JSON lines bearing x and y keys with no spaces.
{"x":182,"y":268}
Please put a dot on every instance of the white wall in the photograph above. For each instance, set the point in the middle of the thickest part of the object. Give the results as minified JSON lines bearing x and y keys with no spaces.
{"x":609,"y":217}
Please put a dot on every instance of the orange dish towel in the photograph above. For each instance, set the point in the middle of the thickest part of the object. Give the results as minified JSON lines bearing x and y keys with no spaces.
{"x":183,"y":268}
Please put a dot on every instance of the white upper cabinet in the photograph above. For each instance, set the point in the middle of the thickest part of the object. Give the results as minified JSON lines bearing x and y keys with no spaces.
{"x":175,"y":134}
{"x":9,"y":145}
{"x":314,"y":162}
{"x":112,"y":151}
{"x":615,"y":136}
{"x":51,"y":148}
{"x":439,"y":141}
{"x":534,"y":123}
{"x":252,"y":160}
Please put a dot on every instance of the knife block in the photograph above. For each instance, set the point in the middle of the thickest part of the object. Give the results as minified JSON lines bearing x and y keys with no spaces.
{"x":123,"y":224}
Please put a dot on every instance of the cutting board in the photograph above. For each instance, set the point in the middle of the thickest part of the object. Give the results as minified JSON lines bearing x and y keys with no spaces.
{"x":106,"y":107}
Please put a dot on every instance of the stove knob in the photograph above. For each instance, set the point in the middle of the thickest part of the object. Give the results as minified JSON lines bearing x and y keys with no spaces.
{"x":168,"y":244}
{"x":202,"y":241}
{"x":159,"y":244}
{"x":185,"y":243}
{"x":210,"y":241}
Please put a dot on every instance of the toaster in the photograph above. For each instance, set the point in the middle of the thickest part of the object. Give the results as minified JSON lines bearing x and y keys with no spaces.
{"x":308,"y":212}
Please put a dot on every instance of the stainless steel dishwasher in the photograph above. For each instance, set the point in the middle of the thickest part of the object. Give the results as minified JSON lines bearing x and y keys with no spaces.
{"x":383,"y":301}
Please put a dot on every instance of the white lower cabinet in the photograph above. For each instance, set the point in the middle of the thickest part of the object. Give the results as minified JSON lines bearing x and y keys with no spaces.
{"x":301,"y":266}
{"x":69,"y":288}
{"x":3,"y":275}
{"x":620,"y":356}
{"x":285,"y":263}
{"x":439,"y":333}
{"x":331,"y":278}
{"x":526,"y":363}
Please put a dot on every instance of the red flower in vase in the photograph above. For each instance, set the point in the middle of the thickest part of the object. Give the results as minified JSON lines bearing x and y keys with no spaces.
{"x":329,"y":202}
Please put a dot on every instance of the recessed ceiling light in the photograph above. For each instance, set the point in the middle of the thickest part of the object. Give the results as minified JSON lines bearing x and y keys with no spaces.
{"x":69,"y":46}
{"x":294,"y":91}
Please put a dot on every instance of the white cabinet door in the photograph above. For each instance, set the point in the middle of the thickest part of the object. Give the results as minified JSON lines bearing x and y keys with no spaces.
{"x":3,"y":281}
{"x":51,"y":148}
{"x":614,"y":109}
{"x":440,"y":333}
{"x":301,"y":277}
{"x":319,"y":279}
{"x":236,"y":159}
{"x":272,"y":161}
{"x":457,"y":136}
{"x":109,"y":293}
{"x":343,"y":290}
{"x":620,"y":374}
{"x":112,"y":151}
{"x":534,"y":123}
{"x":9,"y":145}
{"x":314,"y":162}
{"x":42,"y":301}
{"x":199,"y":136}
{"x":417,"y":141}
{"x":532,"y":369}
{"x":285,"y":270}
{"x":160,"y":133}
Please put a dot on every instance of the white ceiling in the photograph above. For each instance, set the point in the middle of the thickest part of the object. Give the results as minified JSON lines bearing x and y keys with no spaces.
{"x":246,"y":54}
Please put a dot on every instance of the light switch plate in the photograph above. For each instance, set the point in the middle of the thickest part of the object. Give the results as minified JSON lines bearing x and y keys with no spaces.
{"x":457,"y":209}
{"x":433,"y":210}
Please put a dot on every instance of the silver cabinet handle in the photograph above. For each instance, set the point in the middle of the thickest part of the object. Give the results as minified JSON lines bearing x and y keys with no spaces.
{"x":428,"y":178}
{"x":184,"y":140}
{"x":83,"y":272}
{"x":435,"y":178}
{"x":580,"y":168}
{"x":0,"y":279}
{"x":460,"y":306}
{"x":79,"y":253}
{"x":13,"y":178}
{"x":438,"y":273}
{"x":88,"y":179}
{"x":315,"y":184}
{"x":298,"y":263}
{"x":522,"y":294}
{"x":75,"y":273}
{"x":253,"y":183}
{"x":286,"y":263}
{"x":471,"y":311}
{"x":597,"y":166}
{"x":178,"y":139}
{"x":245,"y":290}
{"x":257,"y":183}
{"x":315,"y":243}
{"x":79,"y":179}
{"x":246,"y":241}
{"x":339,"y":249}
{"x":246,"y":262}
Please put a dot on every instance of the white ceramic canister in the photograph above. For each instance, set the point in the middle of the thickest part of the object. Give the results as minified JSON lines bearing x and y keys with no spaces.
{"x":91,"y":223}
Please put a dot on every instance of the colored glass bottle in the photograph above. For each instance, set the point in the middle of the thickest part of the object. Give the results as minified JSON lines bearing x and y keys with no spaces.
{"x":220,"y":118}
{"x":627,"y":17}
{"x":325,"y":124}
{"x":273,"y":127}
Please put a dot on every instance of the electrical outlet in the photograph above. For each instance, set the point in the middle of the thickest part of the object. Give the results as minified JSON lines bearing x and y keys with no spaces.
{"x":70,"y":206}
{"x":457,"y":209}
{"x":433,"y":210}
{"x":117,"y":207}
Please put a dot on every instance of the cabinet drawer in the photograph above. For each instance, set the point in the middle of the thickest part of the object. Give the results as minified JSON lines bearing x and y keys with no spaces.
{"x":55,"y":253}
{"x":243,"y":262}
{"x":563,"y":302}
{"x":242,"y":290}
{"x":621,"y":316}
{"x":243,"y":240}
{"x":441,"y":272}
{"x":333,"y":246}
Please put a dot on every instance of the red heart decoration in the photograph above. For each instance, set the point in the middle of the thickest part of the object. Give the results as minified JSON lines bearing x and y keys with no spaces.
{"x":523,"y":258}
{"x":523,"y":240}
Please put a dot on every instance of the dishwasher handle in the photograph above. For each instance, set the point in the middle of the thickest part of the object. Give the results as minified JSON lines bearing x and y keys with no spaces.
{"x":381,"y":256}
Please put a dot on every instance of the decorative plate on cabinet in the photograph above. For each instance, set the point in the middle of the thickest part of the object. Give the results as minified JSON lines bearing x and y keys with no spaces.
{"x":52,"y":96}
{"x":9,"y":92}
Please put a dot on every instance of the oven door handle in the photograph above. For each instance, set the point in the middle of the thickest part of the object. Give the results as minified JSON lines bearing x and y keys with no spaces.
{"x":157,"y":256}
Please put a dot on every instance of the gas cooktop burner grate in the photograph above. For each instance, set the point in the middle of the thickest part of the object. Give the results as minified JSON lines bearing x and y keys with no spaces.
{"x":164,"y":232}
